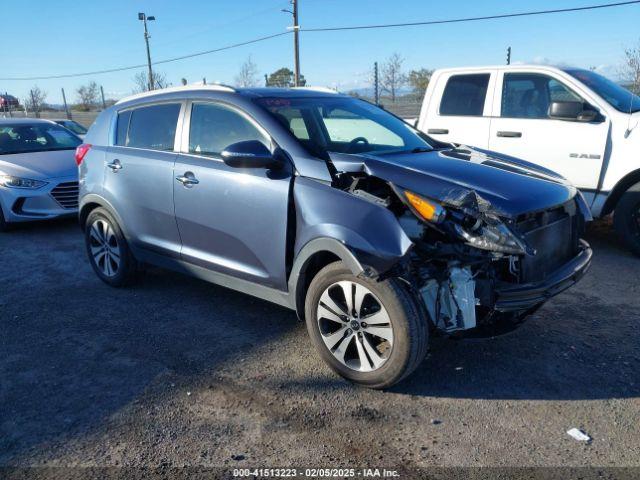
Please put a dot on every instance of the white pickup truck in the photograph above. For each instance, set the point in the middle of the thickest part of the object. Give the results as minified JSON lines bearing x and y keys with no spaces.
{"x":573,"y":121}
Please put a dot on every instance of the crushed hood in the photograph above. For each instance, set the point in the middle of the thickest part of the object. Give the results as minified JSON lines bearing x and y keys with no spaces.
{"x":466,"y":176}
{"x":40,"y":165}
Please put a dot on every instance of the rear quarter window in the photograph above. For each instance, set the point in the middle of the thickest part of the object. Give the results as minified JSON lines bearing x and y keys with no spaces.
{"x":465,"y":95}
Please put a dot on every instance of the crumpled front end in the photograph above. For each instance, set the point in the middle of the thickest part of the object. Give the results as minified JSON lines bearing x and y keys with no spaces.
{"x":466,"y":281}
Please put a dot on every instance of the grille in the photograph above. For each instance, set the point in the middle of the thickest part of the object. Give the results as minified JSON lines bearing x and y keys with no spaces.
{"x":66,"y":194}
{"x":554,"y":235}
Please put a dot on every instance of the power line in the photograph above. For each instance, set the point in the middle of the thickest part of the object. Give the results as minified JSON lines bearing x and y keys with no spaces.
{"x":133,"y":67}
{"x":469,"y":19}
{"x":325,"y":29}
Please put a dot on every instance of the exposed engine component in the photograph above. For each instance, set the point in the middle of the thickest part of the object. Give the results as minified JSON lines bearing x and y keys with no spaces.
{"x":451,"y":302}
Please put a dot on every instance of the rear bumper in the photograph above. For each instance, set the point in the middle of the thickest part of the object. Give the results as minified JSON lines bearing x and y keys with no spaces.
{"x":511,"y":297}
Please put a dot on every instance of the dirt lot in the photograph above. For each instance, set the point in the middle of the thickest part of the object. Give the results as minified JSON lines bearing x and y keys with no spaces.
{"x":178,"y":372}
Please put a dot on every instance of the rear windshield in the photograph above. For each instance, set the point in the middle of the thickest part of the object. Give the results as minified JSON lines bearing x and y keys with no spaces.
{"x":37,"y":137}
{"x":75,"y":127}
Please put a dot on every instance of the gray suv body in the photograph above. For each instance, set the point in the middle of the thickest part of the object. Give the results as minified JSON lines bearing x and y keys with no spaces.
{"x":373,"y":232}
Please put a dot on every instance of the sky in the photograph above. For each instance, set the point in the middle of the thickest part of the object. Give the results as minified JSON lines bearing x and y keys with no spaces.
{"x":47,"y":37}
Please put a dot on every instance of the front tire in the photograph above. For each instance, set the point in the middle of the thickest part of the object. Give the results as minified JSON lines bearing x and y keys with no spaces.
{"x":371,"y":333}
{"x":108,"y":251}
{"x":626,"y":219}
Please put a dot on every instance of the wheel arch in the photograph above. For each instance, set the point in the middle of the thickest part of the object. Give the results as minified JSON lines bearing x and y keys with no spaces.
{"x":313,"y":257}
{"x":90,"y":203}
{"x":620,"y":188}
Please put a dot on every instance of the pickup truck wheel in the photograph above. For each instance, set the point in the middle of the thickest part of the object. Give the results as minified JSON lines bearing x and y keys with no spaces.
{"x":626,"y":219}
{"x":107,"y":249}
{"x":371,"y":333}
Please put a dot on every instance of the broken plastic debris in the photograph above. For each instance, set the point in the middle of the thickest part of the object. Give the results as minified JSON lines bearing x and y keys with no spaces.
{"x":579,"y":435}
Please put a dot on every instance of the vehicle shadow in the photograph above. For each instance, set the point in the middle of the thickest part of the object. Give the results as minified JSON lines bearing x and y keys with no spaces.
{"x":75,"y":352}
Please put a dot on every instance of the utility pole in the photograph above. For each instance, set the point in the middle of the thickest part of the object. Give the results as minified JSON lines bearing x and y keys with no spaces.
{"x":143,"y":16}
{"x":296,"y":42}
{"x":104,"y":105}
{"x":296,"y":45}
{"x":376,"y":83}
{"x":508,"y":55}
{"x":66,"y":108}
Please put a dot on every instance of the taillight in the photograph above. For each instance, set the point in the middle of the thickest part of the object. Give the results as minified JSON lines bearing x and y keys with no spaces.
{"x":81,"y":151}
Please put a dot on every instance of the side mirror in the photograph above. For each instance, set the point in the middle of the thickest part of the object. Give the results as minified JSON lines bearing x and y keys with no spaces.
{"x":572,"y":111}
{"x":249,"y":154}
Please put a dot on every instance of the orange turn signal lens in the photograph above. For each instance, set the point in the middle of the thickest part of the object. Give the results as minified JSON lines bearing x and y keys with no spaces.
{"x":429,"y":211}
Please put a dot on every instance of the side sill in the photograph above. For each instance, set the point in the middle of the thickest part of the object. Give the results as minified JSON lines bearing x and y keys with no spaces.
{"x":265,"y":293}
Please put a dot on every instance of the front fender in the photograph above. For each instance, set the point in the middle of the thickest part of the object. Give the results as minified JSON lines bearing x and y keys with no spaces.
{"x":369,"y":231}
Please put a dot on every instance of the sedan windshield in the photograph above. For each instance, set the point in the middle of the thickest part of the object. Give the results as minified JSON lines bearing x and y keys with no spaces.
{"x":617,"y":96}
{"x":344,"y":125}
{"x":35,"y":137}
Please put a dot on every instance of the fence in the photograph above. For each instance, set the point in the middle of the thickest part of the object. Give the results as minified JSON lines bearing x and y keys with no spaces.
{"x":83,"y":118}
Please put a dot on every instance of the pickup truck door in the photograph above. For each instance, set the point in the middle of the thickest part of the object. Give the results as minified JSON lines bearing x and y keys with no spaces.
{"x":521,"y":127}
{"x":459,"y":108}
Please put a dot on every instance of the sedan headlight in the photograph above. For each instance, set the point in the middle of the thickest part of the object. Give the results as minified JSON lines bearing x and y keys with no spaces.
{"x":18,"y":182}
{"x":495,"y":238}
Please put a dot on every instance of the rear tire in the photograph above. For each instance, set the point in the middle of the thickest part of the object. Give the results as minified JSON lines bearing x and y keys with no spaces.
{"x":626,"y":219}
{"x":374,"y":355}
{"x":108,"y":251}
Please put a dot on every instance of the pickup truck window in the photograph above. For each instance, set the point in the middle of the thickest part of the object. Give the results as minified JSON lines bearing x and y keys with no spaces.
{"x":528,"y":95}
{"x":465,"y":95}
{"x":617,"y":96}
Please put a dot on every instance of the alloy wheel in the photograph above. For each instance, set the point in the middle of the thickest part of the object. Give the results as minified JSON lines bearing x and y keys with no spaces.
{"x":354,"y":325}
{"x":104,"y":247}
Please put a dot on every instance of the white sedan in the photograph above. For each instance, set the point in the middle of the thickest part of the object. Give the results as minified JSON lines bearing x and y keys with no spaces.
{"x":38,"y":172}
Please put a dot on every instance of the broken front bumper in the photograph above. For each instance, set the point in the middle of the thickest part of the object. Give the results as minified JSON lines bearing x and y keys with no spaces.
{"x":510,"y":297}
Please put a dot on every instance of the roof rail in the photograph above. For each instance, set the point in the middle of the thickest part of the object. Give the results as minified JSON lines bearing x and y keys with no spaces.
{"x":317,"y":89}
{"x":182,"y":88}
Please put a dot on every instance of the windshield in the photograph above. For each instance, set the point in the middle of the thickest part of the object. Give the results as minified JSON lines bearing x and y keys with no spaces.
{"x":344,"y":125}
{"x":36,"y":137}
{"x":617,"y":96}
{"x":75,"y":127}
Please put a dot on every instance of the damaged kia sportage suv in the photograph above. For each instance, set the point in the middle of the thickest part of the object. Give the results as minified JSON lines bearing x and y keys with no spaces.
{"x":375,"y":234}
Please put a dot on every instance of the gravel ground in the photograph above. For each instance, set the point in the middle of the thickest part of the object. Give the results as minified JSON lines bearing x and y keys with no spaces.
{"x":177,"y":372}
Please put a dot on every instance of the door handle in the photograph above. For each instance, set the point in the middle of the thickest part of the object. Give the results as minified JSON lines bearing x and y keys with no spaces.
{"x":188,"y":179}
{"x":510,"y":134}
{"x":115,"y":165}
{"x":438,"y":131}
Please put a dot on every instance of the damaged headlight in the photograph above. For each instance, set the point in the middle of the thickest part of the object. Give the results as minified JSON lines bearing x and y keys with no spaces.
{"x":423,"y":208}
{"x":483,"y":232}
{"x":493,"y":237}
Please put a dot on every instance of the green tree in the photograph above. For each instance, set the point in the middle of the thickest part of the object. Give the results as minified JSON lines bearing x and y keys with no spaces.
{"x":283,"y":77}
{"x":419,"y":80}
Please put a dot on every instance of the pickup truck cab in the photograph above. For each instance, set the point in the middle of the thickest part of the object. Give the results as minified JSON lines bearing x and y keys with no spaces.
{"x":572,"y":121}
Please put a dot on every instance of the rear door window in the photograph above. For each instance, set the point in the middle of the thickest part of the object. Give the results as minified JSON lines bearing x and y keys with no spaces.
{"x":123,"y":128}
{"x":152,"y":127}
{"x":465,"y":95}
